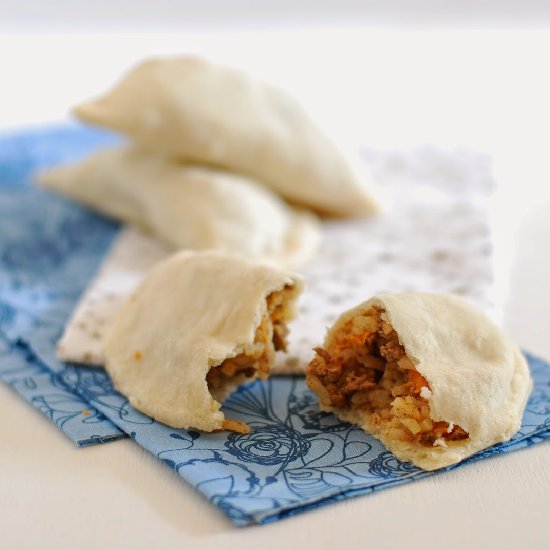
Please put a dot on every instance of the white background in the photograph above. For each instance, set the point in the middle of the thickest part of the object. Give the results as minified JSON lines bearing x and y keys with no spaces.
{"x":381,"y":73}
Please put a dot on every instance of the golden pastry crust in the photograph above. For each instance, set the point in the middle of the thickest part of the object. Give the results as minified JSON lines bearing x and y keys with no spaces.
{"x":188,"y":206}
{"x":193,"y":110}
{"x":198,"y":326}
{"x":427,"y":374}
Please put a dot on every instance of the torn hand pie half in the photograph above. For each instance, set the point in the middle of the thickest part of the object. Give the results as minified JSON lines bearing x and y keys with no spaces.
{"x":430,"y":376}
{"x":188,"y":206}
{"x":199,"y":325}
{"x":193,"y":110}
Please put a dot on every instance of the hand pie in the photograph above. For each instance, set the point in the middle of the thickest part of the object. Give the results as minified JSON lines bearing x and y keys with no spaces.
{"x":199,"y":325}
{"x":193,"y":110}
{"x":431,"y":377}
{"x":188,"y":206}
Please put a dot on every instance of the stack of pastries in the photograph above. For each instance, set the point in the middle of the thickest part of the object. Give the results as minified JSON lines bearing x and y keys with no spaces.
{"x":216,"y":160}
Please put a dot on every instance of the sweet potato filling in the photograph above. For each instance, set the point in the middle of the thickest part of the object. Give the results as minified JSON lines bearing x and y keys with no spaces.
{"x":366,"y":369}
{"x":257,"y":358}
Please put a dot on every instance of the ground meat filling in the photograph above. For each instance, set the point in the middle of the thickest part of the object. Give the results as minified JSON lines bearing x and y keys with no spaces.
{"x":256,"y":358}
{"x":366,"y":367}
{"x":279,"y":316}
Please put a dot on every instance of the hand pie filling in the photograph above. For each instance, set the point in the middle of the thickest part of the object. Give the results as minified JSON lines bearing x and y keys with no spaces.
{"x":365,"y":368}
{"x":256,"y":358}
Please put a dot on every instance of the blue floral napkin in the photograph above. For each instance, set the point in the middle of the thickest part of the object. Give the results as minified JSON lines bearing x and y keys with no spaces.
{"x":21,"y":369}
{"x":49,"y":249}
{"x":295,"y":458}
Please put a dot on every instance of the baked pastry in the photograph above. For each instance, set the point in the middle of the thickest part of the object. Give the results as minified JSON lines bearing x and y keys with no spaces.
{"x":194,"y":110}
{"x":188,"y":206}
{"x":430,"y":376}
{"x":199,"y":325}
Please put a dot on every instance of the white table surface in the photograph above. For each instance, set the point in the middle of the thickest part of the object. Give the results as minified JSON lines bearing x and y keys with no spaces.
{"x":483,"y":90}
